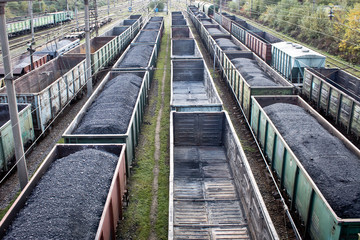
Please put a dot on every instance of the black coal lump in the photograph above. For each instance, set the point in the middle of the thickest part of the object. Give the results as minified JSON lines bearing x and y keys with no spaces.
{"x":111,"y":111}
{"x":227,"y":44}
{"x":331,"y":165}
{"x":137,"y":56}
{"x":147,"y":36}
{"x":252,"y":72}
{"x":68,"y":201}
{"x":153,"y":25}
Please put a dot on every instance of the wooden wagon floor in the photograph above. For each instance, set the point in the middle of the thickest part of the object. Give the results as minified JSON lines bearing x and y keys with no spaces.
{"x":206,"y":203}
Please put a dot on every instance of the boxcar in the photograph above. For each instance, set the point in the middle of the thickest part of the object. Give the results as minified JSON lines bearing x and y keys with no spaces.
{"x":112,"y":191}
{"x":336,"y":94}
{"x":213,"y":193}
{"x":290,"y":59}
{"x":316,"y":165}
{"x":7,"y":148}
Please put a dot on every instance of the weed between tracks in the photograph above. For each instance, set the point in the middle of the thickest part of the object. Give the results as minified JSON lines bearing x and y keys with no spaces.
{"x":136,"y":222}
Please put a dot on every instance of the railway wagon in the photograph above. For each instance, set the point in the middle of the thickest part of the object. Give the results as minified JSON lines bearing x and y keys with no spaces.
{"x":241,"y":29}
{"x":336,"y":94}
{"x":103,"y":50}
{"x":316,"y":165}
{"x":7,"y":148}
{"x":150,"y":36}
{"x":57,"y":48}
{"x":290,"y":59}
{"x":247,"y":75}
{"x":207,"y":32}
{"x":23,"y":26}
{"x":49,"y":88}
{"x":91,"y":180}
{"x":192,"y":87}
{"x":185,"y":49}
{"x":135,"y":22}
{"x":99,"y":122}
{"x":222,"y":45}
{"x":22,"y":63}
{"x":181,"y":32}
{"x":138,"y":57}
{"x":213,"y":193}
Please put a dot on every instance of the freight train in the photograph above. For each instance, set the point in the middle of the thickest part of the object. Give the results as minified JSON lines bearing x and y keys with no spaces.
{"x":99,"y":162}
{"x":306,"y":153}
{"x":50,"y":87}
{"x":21,"y":27}
{"x":213,"y":193}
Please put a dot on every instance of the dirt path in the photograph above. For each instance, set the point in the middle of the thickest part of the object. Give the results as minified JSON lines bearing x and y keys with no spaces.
{"x":154,"y":204}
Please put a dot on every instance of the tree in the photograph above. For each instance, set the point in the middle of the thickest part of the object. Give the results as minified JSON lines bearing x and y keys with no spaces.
{"x":350,"y":45}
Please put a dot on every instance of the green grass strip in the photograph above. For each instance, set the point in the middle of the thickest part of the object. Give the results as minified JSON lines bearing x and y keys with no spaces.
{"x":136,"y":223}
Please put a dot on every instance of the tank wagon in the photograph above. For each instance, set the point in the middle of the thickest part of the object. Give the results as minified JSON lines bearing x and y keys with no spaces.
{"x":49,"y":88}
{"x":213,"y":193}
{"x":23,"y":26}
{"x":316,"y":165}
{"x":248,"y":75}
{"x":57,"y":48}
{"x":290,"y":59}
{"x":91,"y":180}
{"x":192,"y":87}
{"x":207,"y":8}
{"x":22,"y":63}
{"x":334,"y":93}
{"x":7,"y":149}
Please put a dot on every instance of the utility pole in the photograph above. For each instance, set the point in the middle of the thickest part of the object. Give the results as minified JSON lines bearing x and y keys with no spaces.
{"x":10,"y":90}
{"x":87,"y":46}
{"x":67,"y":5}
{"x":96,"y":18}
{"x":108,"y":8}
{"x":31,"y":20}
{"x":77,"y":19}
{"x":220,"y":8}
{"x":31,"y":51}
{"x":331,"y":13}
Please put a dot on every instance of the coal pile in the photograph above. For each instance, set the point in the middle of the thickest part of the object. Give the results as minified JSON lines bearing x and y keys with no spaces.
{"x":153,"y":25}
{"x":227,"y":44}
{"x":252,"y":73}
{"x":332,"y":166}
{"x":214,"y":31}
{"x":137,"y":56}
{"x":111,"y":111}
{"x":147,"y":36}
{"x":68,"y":201}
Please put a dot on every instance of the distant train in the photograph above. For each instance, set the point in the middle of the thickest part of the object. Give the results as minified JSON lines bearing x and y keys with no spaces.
{"x":17,"y":28}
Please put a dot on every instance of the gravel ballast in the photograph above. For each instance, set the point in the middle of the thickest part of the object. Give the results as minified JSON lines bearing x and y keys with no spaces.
{"x":68,"y":201}
{"x":137,"y":56}
{"x":111,"y":111}
{"x":332,"y":166}
{"x":252,"y":73}
{"x":147,"y":36}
